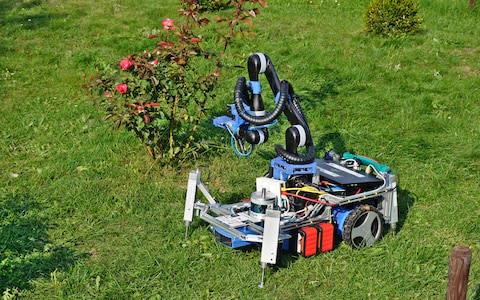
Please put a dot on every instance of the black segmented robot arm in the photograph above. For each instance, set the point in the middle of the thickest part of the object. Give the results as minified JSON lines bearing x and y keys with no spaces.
{"x":249,"y":95}
{"x":298,"y":134}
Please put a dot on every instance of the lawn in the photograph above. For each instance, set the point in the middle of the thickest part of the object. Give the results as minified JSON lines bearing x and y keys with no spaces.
{"x":85,"y":213}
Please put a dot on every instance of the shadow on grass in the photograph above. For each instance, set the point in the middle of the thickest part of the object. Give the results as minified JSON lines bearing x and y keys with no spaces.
{"x":326,"y":86}
{"x":406,"y":199}
{"x":7,"y":5}
{"x":27,"y":21}
{"x":25,"y":250}
{"x":11,"y":20}
{"x":331,"y":141}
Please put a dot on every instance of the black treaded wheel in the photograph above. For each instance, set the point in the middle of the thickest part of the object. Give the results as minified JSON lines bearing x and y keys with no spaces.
{"x":363,"y":226}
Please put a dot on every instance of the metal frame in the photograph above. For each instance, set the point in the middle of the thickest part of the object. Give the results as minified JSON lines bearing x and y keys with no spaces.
{"x":275,"y":228}
{"x":211,"y":212}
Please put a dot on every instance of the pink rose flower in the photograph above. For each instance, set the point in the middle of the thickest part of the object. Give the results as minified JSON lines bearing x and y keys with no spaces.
{"x":165,"y":45}
{"x":195,"y":40}
{"x":125,"y":64}
{"x":168,"y":24}
{"x":122,"y":88}
{"x":155,"y":62}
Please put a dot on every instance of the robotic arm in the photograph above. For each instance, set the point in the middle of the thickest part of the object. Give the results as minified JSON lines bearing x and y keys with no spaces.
{"x":248,"y":121}
{"x":298,"y":134}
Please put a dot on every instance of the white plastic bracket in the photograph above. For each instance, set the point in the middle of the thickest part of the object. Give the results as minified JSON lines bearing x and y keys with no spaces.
{"x":271,"y":232}
{"x":193,"y":180}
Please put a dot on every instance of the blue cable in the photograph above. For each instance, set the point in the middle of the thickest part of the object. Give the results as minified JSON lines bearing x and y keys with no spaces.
{"x":238,"y":153}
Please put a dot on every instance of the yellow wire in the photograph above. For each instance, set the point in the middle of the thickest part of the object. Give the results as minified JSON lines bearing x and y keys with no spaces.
{"x":306,"y":189}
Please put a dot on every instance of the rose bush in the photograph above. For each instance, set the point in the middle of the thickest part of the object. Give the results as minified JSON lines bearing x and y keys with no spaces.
{"x":161,"y":94}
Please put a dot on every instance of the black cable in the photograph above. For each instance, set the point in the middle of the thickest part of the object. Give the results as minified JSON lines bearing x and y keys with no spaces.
{"x":241,"y":95}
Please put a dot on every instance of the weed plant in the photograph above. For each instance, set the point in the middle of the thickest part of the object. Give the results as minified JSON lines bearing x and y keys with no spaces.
{"x":85,"y":214}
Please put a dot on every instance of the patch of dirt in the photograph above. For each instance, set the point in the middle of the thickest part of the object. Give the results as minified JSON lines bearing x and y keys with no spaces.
{"x":468,"y":71}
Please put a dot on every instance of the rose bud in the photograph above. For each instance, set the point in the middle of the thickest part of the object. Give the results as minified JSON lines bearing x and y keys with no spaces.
{"x":195,"y":40}
{"x":107,"y":94}
{"x":146,"y":118}
{"x":122,"y":88}
{"x":165,"y":45}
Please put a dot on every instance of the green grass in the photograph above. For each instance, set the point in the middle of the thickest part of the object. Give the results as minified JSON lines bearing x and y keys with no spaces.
{"x":89,"y":217}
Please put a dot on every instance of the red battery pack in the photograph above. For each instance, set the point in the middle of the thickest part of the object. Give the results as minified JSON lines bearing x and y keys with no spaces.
{"x":307,"y":241}
{"x":325,"y":237}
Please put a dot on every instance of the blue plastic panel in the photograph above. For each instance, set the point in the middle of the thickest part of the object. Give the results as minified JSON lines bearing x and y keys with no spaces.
{"x":230,"y":240}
